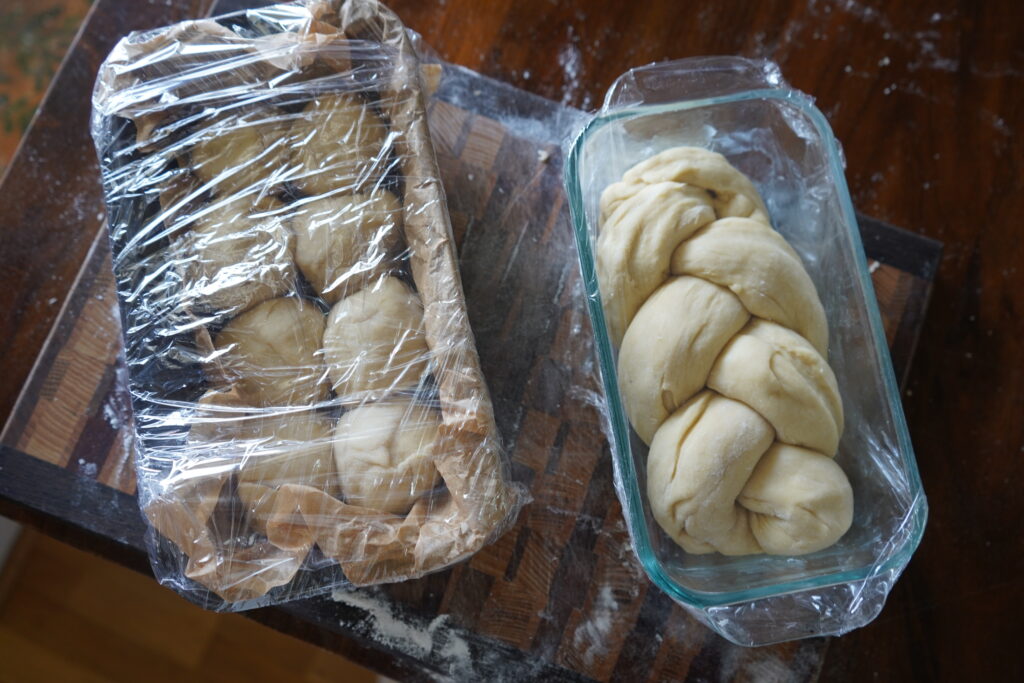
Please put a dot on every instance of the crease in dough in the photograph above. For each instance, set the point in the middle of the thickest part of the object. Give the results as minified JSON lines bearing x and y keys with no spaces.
{"x":384,"y":453}
{"x":635,"y":247}
{"x":757,"y":265}
{"x":271,"y":354}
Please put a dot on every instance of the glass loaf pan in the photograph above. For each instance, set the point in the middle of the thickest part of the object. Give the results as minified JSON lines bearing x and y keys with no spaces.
{"x":775,"y":135}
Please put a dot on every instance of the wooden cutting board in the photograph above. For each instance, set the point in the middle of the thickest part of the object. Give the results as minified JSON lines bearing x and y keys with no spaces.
{"x":561,"y":595}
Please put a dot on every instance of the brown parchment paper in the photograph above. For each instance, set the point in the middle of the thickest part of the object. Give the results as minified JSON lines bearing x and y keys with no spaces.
{"x":477,"y":501}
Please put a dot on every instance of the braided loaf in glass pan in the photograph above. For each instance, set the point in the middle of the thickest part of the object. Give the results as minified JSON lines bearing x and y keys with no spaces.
{"x":309,"y":410}
{"x":760,"y":450}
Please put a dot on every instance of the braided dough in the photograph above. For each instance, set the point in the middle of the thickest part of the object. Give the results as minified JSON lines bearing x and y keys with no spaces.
{"x":722,"y":343}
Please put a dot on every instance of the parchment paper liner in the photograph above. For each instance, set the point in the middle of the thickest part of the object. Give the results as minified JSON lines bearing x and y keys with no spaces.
{"x":371,"y":546}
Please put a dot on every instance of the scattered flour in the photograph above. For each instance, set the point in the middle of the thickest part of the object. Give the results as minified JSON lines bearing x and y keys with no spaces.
{"x":89,"y":469}
{"x":591,"y":635}
{"x":111,"y":415}
{"x":571,"y":60}
{"x":411,"y":635}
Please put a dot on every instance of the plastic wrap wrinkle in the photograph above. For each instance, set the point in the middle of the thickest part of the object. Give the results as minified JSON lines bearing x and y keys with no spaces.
{"x":239,"y":125}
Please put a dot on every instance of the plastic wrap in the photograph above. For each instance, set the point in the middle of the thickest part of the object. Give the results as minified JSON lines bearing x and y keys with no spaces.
{"x":309,"y":410}
{"x":774,"y":136}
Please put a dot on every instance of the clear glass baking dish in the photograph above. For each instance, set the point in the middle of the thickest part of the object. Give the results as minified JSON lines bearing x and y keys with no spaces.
{"x":775,"y":135}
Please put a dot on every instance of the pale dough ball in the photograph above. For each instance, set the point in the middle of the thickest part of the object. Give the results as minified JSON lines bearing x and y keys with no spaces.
{"x":268,"y":448}
{"x":271,"y":354}
{"x":670,"y":347}
{"x":384,"y":453}
{"x":344,"y":242}
{"x":374,"y":343}
{"x":244,"y":153}
{"x":290,"y":448}
{"x":218,"y":417}
{"x":339,"y":144}
{"x":237,"y":254}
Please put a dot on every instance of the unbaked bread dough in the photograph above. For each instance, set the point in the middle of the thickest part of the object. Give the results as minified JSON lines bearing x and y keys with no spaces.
{"x":666,"y":355}
{"x":242,"y":153}
{"x":374,"y":342}
{"x":732,"y":194}
{"x":271,"y":354}
{"x":268,"y":448}
{"x":242,"y":552}
{"x":718,"y":481}
{"x":239,"y":253}
{"x":339,"y":145}
{"x":265,"y":449}
{"x":699,"y":462}
{"x":643,"y":226}
{"x":721,"y":367}
{"x":344,"y":242}
{"x":384,"y":453}
{"x":290,"y":448}
{"x":757,"y":265}
{"x":778,"y":373}
{"x":799,"y":502}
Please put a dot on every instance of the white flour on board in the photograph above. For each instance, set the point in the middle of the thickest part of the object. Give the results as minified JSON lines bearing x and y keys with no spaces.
{"x":86,"y":468}
{"x":110,"y":414}
{"x":410,"y":635}
{"x":591,"y":636}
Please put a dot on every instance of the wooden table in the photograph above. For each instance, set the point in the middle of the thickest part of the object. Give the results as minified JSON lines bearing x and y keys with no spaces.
{"x":925,"y":105}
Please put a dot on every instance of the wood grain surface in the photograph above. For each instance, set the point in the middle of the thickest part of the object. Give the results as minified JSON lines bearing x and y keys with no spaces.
{"x":560,"y":595}
{"x":68,"y":616}
{"x":51,"y":205}
{"x":926,"y":99}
